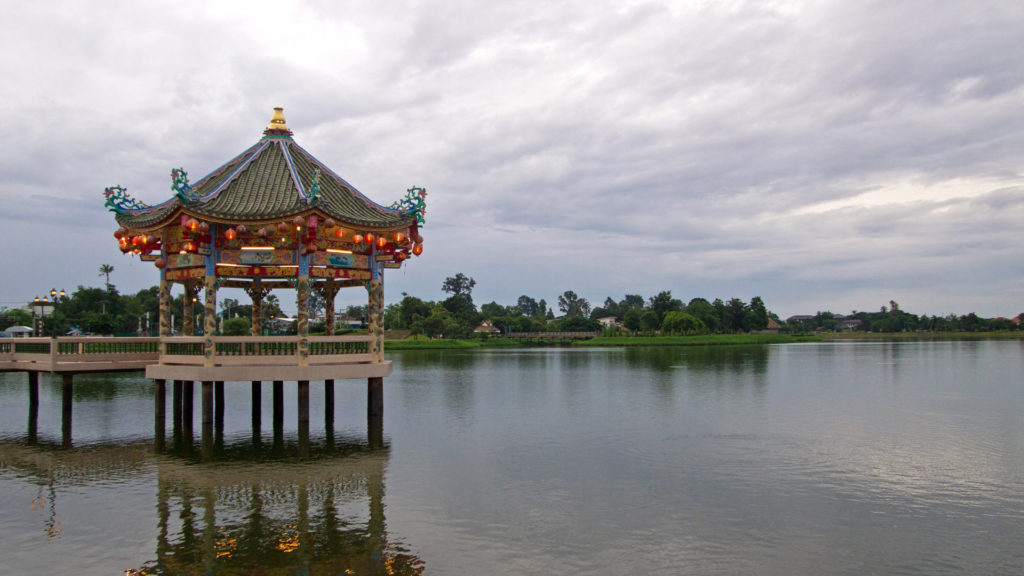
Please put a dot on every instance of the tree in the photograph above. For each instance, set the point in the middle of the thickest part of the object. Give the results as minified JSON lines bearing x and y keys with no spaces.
{"x":757,"y":315}
{"x":528,"y":306}
{"x":634,"y":301}
{"x":705,"y":312}
{"x":106,"y":270}
{"x":492,"y":310}
{"x":649,"y":321}
{"x":679,"y":322}
{"x":572,"y":305}
{"x":459,"y":285}
{"x":664,"y":303}
{"x":236,"y":326}
{"x":631,"y":319}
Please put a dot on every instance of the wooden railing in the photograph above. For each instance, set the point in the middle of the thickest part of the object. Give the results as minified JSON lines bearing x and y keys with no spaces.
{"x":265,"y":350}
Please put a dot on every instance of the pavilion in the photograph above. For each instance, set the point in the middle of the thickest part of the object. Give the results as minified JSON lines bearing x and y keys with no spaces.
{"x":272,"y":217}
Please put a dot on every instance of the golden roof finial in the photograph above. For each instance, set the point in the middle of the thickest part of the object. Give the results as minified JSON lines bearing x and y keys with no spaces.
{"x":277,"y":126}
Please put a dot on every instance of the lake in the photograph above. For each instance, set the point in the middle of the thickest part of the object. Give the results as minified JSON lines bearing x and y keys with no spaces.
{"x":824,"y":458}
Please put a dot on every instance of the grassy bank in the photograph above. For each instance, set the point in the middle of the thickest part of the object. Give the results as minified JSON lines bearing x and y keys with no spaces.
{"x":1003,"y":335}
{"x":610,"y":341}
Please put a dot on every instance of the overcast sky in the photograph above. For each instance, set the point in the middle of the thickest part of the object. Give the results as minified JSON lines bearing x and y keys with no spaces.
{"x":821,"y":155}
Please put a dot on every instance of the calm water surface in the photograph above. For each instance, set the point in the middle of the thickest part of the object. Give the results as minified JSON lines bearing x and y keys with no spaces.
{"x":839,"y":458}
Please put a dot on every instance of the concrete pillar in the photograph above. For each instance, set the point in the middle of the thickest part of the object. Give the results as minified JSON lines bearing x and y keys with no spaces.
{"x":375,"y":320}
{"x":303,"y":410}
{"x":257,"y":406}
{"x":329,"y":402}
{"x":164,"y":320}
{"x":33,"y":406}
{"x":375,"y":397}
{"x":159,"y":414}
{"x":278,"y":406}
{"x":176,"y":412}
{"x":67,"y":404}
{"x":187,"y":422}
{"x":218,"y":397}
{"x":207,"y":430}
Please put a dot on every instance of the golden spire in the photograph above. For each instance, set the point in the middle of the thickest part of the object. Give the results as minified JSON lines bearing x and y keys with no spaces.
{"x":277,"y":126}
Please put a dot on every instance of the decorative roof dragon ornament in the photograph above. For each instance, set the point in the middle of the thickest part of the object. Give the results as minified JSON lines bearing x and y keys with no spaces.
{"x":314,"y":188}
{"x":181,"y":187}
{"x":415,"y":203}
{"x":119,"y":201}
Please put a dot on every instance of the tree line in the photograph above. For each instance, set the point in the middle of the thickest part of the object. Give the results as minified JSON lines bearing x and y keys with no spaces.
{"x":458,"y":316}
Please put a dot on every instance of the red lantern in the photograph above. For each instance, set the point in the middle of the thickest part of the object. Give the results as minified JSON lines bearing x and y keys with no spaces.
{"x":135,"y":240}
{"x":330,"y":223}
{"x":230,"y":234}
{"x":382,"y":242}
{"x":417,"y":249}
{"x":340,"y":232}
{"x":192,"y":224}
{"x":399,"y":237}
{"x":369,"y":237}
{"x":298,"y":221}
{"x":204,"y":227}
{"x":283,"y":228}
{"x":400,"y":256}
{"x":119,"y":233}
{"x":160,"y":263}
{"x":358,"y":238}
{"x":190,"y":247}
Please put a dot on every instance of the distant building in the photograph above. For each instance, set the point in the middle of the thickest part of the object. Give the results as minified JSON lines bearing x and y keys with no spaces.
{"x":486,"y":327}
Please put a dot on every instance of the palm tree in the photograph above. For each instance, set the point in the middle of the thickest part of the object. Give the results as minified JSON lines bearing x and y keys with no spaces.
{"x":105,"y":270}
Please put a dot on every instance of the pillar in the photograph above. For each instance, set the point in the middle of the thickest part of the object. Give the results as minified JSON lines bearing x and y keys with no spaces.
{"x":329,"y":402}
{"x":67,"y":393}
{"x":375,"y":397}
{"x":209,"y":317}
{"x":207,"y":430}
{"x":328,"y":289}
{"x":303,"y":409}
{"x":33,"y":406}
{"x":302,"y":322}
{"x":164,"y":321}
{"x":218,"y":403}
{"x":257,"y":293}
{"x":257,"y":406}
{"x":176,"y":412}
{"x":159,"y":413}
{"x":278,"y":406}
{"x":188,"y":316}
{"x":186,"y":413}
{"x":375,"y":313}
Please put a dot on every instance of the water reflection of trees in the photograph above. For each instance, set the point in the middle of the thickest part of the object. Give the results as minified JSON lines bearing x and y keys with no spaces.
{"x":247,"y":510}
{"x":716,"y":359}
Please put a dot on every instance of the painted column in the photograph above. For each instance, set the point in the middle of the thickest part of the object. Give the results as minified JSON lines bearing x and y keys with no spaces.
{"x":330,"y":290}
{"x":302,"y":301}
{"x":375,"y":310}
{"x":256,"y":293}
{"x":188,"y":315}
{"x":165,"y":311}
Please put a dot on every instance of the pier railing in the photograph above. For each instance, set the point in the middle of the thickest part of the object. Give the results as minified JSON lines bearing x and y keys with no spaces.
{"x":266,"y":350}
{"x":99,"y":354}
{"x":78,"y":354}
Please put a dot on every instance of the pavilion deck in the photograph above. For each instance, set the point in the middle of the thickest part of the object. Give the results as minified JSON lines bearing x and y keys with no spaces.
{"x":228,"y":358}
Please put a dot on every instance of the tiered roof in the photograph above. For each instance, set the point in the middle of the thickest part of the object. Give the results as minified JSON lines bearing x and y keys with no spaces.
{"x":272,"y":180}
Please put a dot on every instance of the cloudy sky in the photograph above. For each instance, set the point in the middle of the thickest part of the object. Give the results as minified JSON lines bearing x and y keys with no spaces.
{"x":822,"y":155}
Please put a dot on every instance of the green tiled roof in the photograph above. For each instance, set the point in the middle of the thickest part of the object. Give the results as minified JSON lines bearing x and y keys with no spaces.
{"x":270,"y":181}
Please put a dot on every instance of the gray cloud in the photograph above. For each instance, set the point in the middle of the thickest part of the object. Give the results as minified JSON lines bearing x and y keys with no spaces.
{"x":821,"y":155}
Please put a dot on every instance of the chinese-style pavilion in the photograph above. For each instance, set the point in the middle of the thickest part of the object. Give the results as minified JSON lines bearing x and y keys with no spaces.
{"x":271,"y":217}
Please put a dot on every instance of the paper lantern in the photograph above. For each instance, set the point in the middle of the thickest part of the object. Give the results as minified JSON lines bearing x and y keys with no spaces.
{"x":230,"y":234}
{"x":358,"y":238}
{"x":417,"y":249}
{"x":160,"y":263}
{"x":382,"y":242}
{"x":399,"y":237}
{"x":340,"y":232}
{"x":283,"y":228}
{"x":204,"y":227}
{"x":370,"y":237}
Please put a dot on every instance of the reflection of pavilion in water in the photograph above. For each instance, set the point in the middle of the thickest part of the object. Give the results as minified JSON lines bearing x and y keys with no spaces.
{"x":244,"y":508}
